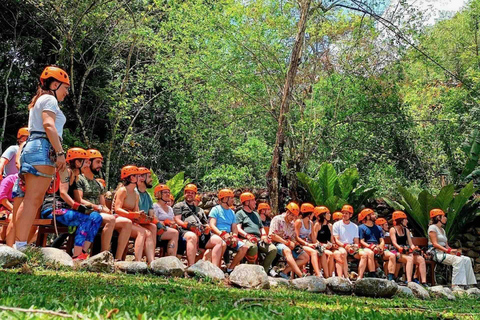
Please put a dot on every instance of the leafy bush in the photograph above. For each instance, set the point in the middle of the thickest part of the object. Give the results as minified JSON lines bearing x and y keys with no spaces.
{"x":176,"y":185}
{"x":334,"y":190}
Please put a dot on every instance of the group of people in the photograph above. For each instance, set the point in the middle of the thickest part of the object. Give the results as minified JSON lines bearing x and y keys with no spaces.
{"x":38,"y":176}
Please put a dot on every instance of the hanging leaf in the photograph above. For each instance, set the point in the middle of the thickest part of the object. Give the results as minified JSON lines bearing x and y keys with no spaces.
{"x":327,"y":178}
{"x":445,"y":197}
{"x":346,"y":182}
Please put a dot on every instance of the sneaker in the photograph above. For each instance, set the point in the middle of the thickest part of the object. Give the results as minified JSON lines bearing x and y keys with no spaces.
{"x":81,"y":257}
{"x":425,"y":285}
{"x":416,"y":281}
{"x":272,"y":273}
{"x":284,"y":276}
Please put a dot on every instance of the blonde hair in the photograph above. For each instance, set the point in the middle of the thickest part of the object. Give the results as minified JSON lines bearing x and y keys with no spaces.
{"x":40,"y":92}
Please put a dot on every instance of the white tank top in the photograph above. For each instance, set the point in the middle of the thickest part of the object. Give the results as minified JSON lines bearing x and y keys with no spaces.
{"x":304,"y":232}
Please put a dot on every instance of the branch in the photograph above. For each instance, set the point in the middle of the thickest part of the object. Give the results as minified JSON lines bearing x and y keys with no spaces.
{"x":61,"y":314}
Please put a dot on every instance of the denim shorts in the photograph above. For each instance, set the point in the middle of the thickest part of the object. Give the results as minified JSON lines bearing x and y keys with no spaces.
{"x":36,"y":152}
{"x":280,"y":246}
{"x":17,"y":191}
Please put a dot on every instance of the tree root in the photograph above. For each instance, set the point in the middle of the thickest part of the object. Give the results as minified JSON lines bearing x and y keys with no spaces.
{"x":62,"y":314}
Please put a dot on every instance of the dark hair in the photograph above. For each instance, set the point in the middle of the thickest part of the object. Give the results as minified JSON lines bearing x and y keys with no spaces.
{"x":436,"y":219}
{"x":322,"y":218}
{"x":399,"y":221}
{"x":41,"y":90}
{"x":305,"y":214}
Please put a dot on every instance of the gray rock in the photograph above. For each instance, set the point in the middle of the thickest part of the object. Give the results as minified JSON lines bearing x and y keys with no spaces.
{"x":57,"y":256}
{"x":206,"y":269}
{"x":477,"y":277}
{"x":310,"y":284}
{"x":469,"y":237}
{"x":102,"y":262}
{"x":458,"y":291}
{"x":472,"y":254}
{"x":168,"y":267}
{"x":10,"y":257}
{"x":418,"y":291}
{"x":278,"y":282}
{"x":339,"y":285}
{"x":250,"y":276}
{"x":469,"y":244}
{"x":441,"y":292}
{"x":404,"y":291}
{"x":372,"y":287}
{"x":473,"y":292}
{"x":132,"y":267}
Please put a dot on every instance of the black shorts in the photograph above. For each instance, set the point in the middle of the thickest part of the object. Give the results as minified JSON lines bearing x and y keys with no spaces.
{"x":203,"y":240}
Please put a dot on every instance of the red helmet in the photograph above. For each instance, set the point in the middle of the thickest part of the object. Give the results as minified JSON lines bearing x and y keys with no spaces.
{"x":190,"y":187}
{"x":56,"y":73}
{"x":347,"y":208}
{"x":22,"y":132}
{"x":198,"y":198}
{"x":246,"y":196}
{"x":320,"y":210}
{"x":128,"y":171}
{"x":293,"y":208}
{"x":102,"y":182}
{"x":364,"y":213}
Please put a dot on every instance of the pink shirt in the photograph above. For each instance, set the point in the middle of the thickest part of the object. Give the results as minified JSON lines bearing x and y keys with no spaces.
{"x":6,"y":187}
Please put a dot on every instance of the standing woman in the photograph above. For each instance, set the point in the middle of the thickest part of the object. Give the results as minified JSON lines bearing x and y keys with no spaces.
{"x":442,"y":253}
{"x":43,"y":150}
{"x":304,"y":236}
{"x":402,"y":241}
{"x":322,"y":232}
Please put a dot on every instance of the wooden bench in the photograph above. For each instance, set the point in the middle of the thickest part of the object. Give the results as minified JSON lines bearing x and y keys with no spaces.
{"x":422,"y":243}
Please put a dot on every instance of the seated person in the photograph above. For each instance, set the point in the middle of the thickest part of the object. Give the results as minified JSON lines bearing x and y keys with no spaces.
{"x":406,"y":252}
{"x":282,"y":233}
{"x":337,"y":215}
{"x":223,"y":223}
{"x":6,"y":201}
{"x":164,"y":213}
{"x":250,"y":227}
{"x":322,"y":233}
{"x":265,"y":213}
{"x":373,"y":242}
{"x":304,"y":236}
{"x":190,"y":217}
{"x":383,"y":224}
{"x":126,"y":204}
{"x":59,"y":205}
{"x":462,"y":274}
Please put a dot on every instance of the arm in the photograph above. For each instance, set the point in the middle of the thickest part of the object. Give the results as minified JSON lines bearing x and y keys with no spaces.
{"x":78,"y":195}
{"x":17,"y":156}
{"x":3,"y":163}
{"x":434,"y":241}
{"x":298,"y":225}
{"x":7,"y":204}
{"x":213,"y":226}
{"x":48,"y":118}
{"x":234,"y":229}
{"x":241,"y":232}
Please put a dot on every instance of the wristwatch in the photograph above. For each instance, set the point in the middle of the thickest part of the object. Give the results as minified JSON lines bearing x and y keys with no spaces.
{"x":59,"y":154}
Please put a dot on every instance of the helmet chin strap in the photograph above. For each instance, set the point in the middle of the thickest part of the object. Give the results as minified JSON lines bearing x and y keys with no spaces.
{"x":55,"y":91}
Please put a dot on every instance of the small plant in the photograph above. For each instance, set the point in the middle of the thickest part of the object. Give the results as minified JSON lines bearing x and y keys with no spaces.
{"x":334,"y":190}
{"x":176,"y":185}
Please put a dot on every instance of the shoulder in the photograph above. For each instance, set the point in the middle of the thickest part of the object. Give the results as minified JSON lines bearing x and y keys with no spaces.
{"x":47,"y":102}
{"x":179,"y":205}
{"x":10,"y":152}
{"x":433,"y":228}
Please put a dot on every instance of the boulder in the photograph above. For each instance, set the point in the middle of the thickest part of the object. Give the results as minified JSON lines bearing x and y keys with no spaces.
{"x":278,"y":282}
{"x":472,"y":254}
{"x":102,"y":262}
{"x":10,"y":257}
{"x":477,"y":277}
{"x":131,"y":267}
{"x":404,"y":291}
{"x":339,"y":285}
{"x":473,"y":292}
{"x":418,"y":291}
{"x":57,"y":257}
{"x":310,"y":284}
{"x":476,"y":269}
{"x":372,"y":287}
{"x":250,"y":276}
{"x":469,"y":244}
{"x":168,"y":267}
{"x":206,"y":269}
{"x":441,"y":292}
{"x":469,"y":237}
{"x":458,"y":291}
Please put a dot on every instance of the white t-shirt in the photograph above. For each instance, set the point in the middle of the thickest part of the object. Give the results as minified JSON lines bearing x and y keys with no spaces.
{"x":441,"y":237}
{"x":161,"y":214}
{"x":46,"y":102}
{"x":345,"y":232}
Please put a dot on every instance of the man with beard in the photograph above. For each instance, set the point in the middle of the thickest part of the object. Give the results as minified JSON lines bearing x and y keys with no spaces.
{"x":91,"y":192}
{"x":192,"y":219}
{"x":145,"y":182}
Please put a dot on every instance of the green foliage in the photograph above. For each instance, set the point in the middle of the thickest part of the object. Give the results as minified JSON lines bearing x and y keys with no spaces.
{"x":176,"y":184}
{"x":334,"y":190}
{"x":460,"y":208}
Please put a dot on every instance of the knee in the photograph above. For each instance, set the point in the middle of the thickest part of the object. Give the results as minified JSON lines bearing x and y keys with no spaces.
{"x":175,"y":234}
{"x":243,"y":250}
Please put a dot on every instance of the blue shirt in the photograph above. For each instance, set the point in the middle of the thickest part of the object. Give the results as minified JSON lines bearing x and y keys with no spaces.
{"x":146,"y":202}
{"x":225,"y":218}
{"x":370,"y":234}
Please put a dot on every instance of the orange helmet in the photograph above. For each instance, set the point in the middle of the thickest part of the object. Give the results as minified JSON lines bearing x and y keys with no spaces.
{"x":399,"y":215}
{"x":172,"y":198}
{"x":347,"y":208}
{"x":160,"y":188}
{"x":263,"y":206}
{"x":380,"y":221}
{"x":102,"y":182}
{"x":76,"y":153}
{"x":190,"y":187}
{"x":320,"y":210}
{"x":293,"y":208}
{"x":436,"y":212}
{"x":22,"y":132}
{"x":246,"y":196}
{"x":128,"y":171}
{"x":198,"y":198}
{"x":94,"y":153}
{"x":143,"y":170}
{"x":56,"y":73}
{"x":306,"y":208}
{"x":224,"y":193}
{"x":364,"y":213}
{"x":337,"y":215}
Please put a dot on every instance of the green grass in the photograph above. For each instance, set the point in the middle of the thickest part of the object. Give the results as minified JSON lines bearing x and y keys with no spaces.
{"x":93,"y":295}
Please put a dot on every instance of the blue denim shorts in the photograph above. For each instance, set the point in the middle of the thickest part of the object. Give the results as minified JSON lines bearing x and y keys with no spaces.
{"x":36,"y":152}
{"x":280,"y":246}
{"x":17,"y":192}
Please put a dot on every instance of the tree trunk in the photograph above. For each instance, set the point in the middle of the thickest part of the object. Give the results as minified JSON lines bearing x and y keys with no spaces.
{"x":5,"y":102}
{"x":77,"y":100}
{"x":274,"y":174}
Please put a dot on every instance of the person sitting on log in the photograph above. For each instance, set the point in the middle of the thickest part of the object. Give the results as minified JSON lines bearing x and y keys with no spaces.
{"x":324,"y":237}
{"x":282,"y":234}
{"x":304,"y":235}
{"x":224,"y":224}
{"x":337,"y":215}
{"x":126,"y":204}
{"x":383,"y":224}
{"x":195,"y":229}
{"x":265,"y":213}
{"x":250,"y":227}
{"x":168,"y":240}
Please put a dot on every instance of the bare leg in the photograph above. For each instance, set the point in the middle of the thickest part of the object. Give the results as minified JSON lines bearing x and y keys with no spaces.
{"x":140,"y":235}
{"x":314,"y":257}
{"x":192,"y":241}
{"x":216,"y":245}
{"x":124,"y":228}
{"x":330,"y":264}
{"x":150,"y":243}
{"x":172,"y":236}
{"x":363,"y":256}
{"x":238,"y":257}
{"x":108,"y":223}
{"x":422,"y":268}
{"x":292,"y":265}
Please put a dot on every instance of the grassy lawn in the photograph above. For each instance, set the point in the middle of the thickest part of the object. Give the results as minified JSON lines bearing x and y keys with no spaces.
{"x":93,"y":295}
